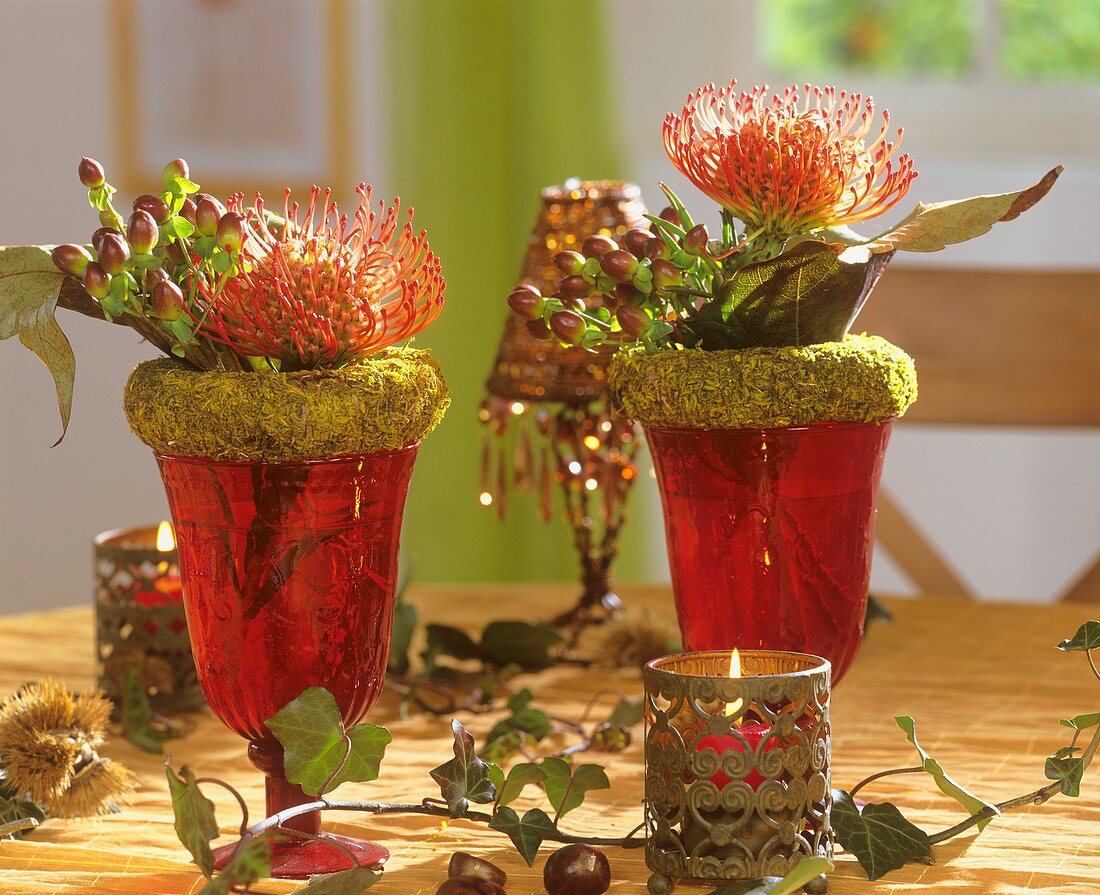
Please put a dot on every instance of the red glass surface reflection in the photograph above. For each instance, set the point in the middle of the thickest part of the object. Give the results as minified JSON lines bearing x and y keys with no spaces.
{"x":770,"y":534}
{"x":289,"y":577}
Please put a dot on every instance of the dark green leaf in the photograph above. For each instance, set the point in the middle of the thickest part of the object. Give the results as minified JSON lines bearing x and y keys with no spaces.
{"x":29,"y":286}
{"x":447,"y":641}
{"x":311,"y":731}
{"x":520,"y":643}
{"x":1086,"y":638}
{"x":352,"y":881}
{"x":1067,"y":770}
{"x":946,"y":785}
{"x":1081,"y":722}
{"x":519,"y":777}
{"x":566,"y":788}
{"x":504,"y":747}
{"x":253,"y":863}
{"x":627,"y":713}
{"x":465,"y":778}
{"x":18,"y":816}
{"x":930,"y":228}
{"x":405,"y":619}
{"x":879,"y":837}
{"x":527,"y":833}
{"x":1066,"y":751}
{"x":681,"y":210}
{"x":803,"y":872}
{"x":137,"y":715}
{"x":195,"y":823}
{"x":534,"y":723}
{"x":876,"y":611}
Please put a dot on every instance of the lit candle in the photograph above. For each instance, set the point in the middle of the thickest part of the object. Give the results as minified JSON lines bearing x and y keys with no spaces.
{"x":167,"y":589}
{"x":749,"y":735}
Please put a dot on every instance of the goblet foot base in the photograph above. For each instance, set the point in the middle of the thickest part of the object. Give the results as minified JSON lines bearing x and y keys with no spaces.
{"x":300,"y":857}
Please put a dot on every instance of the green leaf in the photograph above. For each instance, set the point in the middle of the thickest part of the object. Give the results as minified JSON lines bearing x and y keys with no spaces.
{"x":444,"y":640}
{"x":946,"y":785}
{"x":1086,"y":638}
{"x":311,"y":731}
{"x":346,"y":882}
{"x":195,"y":823}
{"x":879,"y":837}
{"x":930,"y":228}
{"x":29,"y":286}
{"x":533,"y":722}
{"x":137,"y":715}
{"x":465,"y":778}
{"x":566,"y":788}
{"x":519,"y":778}
{"x":405,"y":619}
{"x":221,"y":262}
{"x":674,"y":201}
{"x":1067,"y":770}
{"x":253,"y":863}
{"x":18,"y":816}
{"x":527,"y":833}
{"x":803,"y":872}
{"x":520,"y":643}
{"x":1066,"y":751}
{"x":627,"y":713}
{"x":1081,"y":722}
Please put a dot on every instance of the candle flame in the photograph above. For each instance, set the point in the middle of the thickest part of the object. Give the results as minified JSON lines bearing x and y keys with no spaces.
{"x":166,"y":538}
{"x":732,"y":708}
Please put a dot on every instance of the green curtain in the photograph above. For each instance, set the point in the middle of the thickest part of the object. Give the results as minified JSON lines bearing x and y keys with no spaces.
{"x":491,"y":101}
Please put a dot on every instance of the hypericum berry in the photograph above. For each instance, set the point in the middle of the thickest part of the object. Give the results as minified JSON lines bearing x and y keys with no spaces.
{"x":174,"y":253}
{"x":635,"y":241}
{"x":620,"y":265}
{"x":539,"y":330}
{"x":142,"y":232}
{"x":569,"y":326}
{"x":657,"y":248}
{"x":71,"y":259}
{"x":627,"y":293}
{"x":230,"y":232}
{"x":528,"y":303}
{"x":575,"y":287}
{"x":176,"y":168}
{"x":208,"y":211}
{"x":634,"y":321}
{"x":696,"y":239}
{"x":167,"y":300}
{"x":665,"y":274}
{"x":97,"y":237}
{"x":154,"y":206}
{"x":90,"y":172}
{"x":571,"y":304}
{"x":670,"y":214}
{"x":577,"y":870}
{"x":569,"y":263}
{"x":154,"y":276}
{"x":189,"y":211}
{"x":96,"y":281}
{"x":113,"y":253}
{"x":597,"y":246}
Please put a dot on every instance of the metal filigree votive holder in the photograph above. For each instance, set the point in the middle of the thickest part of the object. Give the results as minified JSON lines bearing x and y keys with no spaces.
{"x":736,"y":768}
{"x":140,"y":623}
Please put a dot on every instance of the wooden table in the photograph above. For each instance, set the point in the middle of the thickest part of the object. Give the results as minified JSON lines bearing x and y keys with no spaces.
{"x":984,"y":682}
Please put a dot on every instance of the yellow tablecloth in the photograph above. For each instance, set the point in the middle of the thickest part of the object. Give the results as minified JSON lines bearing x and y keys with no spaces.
{"x":984,"y":682}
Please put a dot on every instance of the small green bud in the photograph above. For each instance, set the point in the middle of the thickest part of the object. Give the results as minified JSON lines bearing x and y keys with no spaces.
{"x":96,"y":281}
{"x":70,"y":259}
{"x":90,"y":172}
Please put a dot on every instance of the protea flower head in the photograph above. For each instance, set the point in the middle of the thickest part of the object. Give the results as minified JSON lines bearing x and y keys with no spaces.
{"x":795,"y":163}
{"x":322,"y":290}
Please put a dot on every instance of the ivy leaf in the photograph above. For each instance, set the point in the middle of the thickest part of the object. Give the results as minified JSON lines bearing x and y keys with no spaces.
{"x":1081,"y":722}
{"x":566,"y":788}
{"x":527,"y":833}
{"x":465,"y":778}
{"x":930,"y":228}
{"x":405,"y":619}
{"x":311,"y":731}
{"x":253,"y":863}
{"x":627,"y":713}
{"x":535,"y":723}
{"x":444,"y":640}
{"x":1086,"y":638}
{"x":195,"y":825}
{"x":946,"y":785}
{"x":137,"y":715}
{"x":18,"y":816}
{"x":880,"y":838}
{"x":29,"y":286}
{"x":520,"y":643}
{"x":519,"y":777}
{"x":803,"y":872}
{"x":345,"y":882}
{"x":1068,"y":771}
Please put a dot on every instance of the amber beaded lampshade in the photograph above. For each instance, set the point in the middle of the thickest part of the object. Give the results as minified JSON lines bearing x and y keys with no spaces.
{"x":551,"y":428}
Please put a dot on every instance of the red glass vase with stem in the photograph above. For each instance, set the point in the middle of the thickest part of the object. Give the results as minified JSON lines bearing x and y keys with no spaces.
{"x":770,"y":533}
{"x":289,"y":575}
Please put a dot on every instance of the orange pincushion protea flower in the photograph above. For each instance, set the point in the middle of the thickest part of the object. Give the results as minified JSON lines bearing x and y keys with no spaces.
{"x":326,"y":291}
{"x":796,"y":163}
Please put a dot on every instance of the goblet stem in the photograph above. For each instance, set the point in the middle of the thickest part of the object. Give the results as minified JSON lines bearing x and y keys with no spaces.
{"x":267,"y":756}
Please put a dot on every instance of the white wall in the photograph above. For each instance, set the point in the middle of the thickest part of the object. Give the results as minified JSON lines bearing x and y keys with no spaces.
{"x":1015,"y":511}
